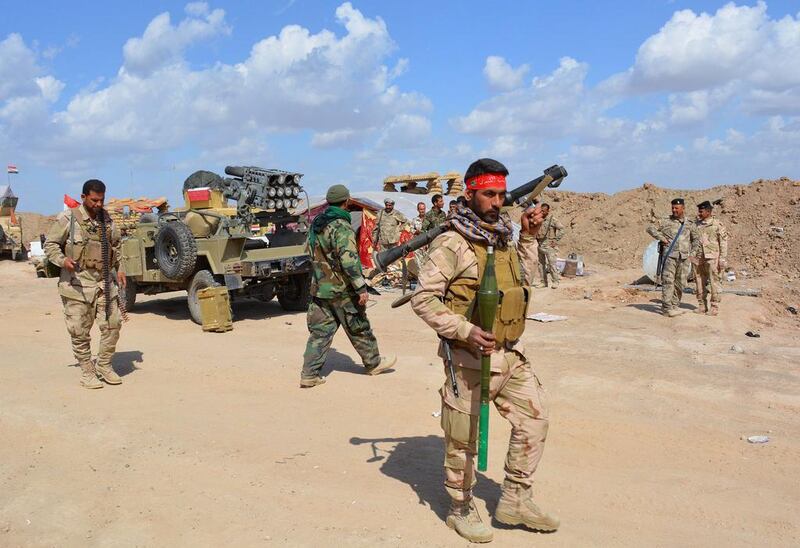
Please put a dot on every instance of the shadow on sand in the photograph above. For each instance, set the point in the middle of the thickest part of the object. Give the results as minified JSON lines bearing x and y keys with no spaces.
{"x":418,"y":462}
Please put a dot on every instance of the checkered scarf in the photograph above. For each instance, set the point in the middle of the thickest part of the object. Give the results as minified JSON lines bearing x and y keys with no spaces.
{"x":469,"y":225}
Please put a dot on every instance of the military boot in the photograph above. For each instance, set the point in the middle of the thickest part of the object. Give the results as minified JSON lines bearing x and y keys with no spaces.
{"x":88,"y":377}
{"x":701,"y":309}
{"x":714,"y":310}
{"x":464,"y":519}
{"x":311,"y":382}
{"x":516,"y":507}
{"x":106,"y":373}
{"x":674,"y":312}
{"x":385,"y":363}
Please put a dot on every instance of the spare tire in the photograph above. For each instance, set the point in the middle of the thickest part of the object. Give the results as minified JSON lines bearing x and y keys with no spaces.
{"x":175,"y":250}
{"x":201,"y":179}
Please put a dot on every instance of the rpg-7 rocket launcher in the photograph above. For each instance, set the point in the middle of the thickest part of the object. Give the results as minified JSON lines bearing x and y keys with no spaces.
{"x":522,"y":196}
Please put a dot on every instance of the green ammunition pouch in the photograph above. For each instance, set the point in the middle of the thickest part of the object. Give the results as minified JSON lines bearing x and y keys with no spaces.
{"x":461,"y":295}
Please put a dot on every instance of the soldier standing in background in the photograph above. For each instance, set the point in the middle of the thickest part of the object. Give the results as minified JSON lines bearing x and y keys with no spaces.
{"x":85,"y":243}
{"x":444,"y":299}
{"x":419,"y":220}
{"x":674,"y":233}
{"x":436,"y":215}
{"x":386,"y":235}
{"x":339,"y":292}
{"x":709,"y":255}
{"x":548,"y":237}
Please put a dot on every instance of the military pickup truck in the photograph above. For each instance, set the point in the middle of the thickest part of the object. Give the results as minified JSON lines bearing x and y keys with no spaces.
{"x":255,"y":248}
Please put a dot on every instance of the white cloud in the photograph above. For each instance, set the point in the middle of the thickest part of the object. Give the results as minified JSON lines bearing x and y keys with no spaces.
{"x":18,"y":68}
{"x":550,"y":105}
{"x":50,"y":88}
{"x":405,"y":131}
{"x":501,"y":76}
{"x":163,"y":43}
{"x":338,"y":86}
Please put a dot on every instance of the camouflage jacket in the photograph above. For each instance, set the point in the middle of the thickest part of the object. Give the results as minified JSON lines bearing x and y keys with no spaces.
{"x":433,"y":219}
{"x":84,"y":248}
{"x":667,"y":228}
{"x":388,"y":227}
{"x":451,"y":257}
{"x":416,"y":224}
{"x":550,"y":233}
{"x":337,"y":266}
{"x":710,"y":239}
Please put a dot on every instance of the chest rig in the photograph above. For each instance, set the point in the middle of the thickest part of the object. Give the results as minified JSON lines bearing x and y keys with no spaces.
{"x":462,"y":293}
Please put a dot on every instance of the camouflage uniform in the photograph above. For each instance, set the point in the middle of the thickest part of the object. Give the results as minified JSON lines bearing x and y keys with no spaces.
{"x":528,"y":248}
{"x":710,"y":247}
{"x":515,"y":389}
{"x":337,"y":279}
{"x":676,"y":266}
{"x":386,"y":235}
{"x":82,"y":292}
{"x":416,"y":224}
{"x":433,"y":218}
{"x":549,"y":234}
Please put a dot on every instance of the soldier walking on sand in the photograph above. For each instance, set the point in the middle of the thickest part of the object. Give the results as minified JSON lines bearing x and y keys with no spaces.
{"x":548,"y":237}
{"x":709,"y":255}
{"x":444,"y":299}
{"x":85,"y":243}
{"x":674,"y":233}
{"x":339,"y":292}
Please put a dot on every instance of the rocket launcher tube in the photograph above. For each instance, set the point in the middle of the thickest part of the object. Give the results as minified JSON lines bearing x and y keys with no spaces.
{"x":488,"y":300}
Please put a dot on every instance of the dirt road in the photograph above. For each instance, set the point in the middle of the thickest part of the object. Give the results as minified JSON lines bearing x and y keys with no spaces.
{"x":210,"y":441}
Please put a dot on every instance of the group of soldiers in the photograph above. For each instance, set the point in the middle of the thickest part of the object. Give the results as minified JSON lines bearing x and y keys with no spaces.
{"x":702,"y":243}
{"x":86,"y":245}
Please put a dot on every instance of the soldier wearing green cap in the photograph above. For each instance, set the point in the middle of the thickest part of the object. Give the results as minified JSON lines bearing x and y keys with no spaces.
{"x":338,"y":291}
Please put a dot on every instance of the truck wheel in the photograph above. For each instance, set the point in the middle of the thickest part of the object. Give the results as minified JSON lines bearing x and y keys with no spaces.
{"x":295,"y":295}
{"x":175,"y":250}
{"x":201,"y":280}
{"x":128,"y":294}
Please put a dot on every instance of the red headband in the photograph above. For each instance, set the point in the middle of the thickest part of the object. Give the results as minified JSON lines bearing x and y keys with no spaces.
{"x":487,"y":180}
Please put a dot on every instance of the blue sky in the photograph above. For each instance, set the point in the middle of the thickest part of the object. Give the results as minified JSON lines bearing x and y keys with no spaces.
{"x":682,"y":94}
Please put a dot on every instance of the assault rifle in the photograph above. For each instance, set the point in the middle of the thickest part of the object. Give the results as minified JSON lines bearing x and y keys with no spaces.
{"x":522,"y":196}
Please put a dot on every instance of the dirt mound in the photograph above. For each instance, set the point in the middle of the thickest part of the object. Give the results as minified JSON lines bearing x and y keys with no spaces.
{"x":34,"y":224}
{"x":762,"y":218}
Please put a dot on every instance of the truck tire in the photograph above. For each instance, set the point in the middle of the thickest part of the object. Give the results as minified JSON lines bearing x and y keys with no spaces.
{"x":175,"y":250}
{"x":201,"y":280}
{"x":295,"y":295}
{"x":127,"y":295}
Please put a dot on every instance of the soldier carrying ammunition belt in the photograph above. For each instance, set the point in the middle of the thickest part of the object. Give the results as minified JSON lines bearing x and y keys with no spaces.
{"x":85,"y":244}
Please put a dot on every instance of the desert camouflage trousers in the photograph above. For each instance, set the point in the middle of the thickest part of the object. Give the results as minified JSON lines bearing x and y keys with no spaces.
{"x":80,"y":316}
{"x":673,"y":280}
{"x":528,"y":258}
{"x":519,"y":398}
{"x":324,"y":318}
{"x":707,"y":280}
{"x":547,"y":264}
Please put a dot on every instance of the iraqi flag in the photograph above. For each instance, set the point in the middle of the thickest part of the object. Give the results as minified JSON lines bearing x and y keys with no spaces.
{"x":10,"y":168}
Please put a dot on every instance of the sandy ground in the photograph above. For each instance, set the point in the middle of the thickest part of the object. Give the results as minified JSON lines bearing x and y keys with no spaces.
{"x":210,"y":441}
